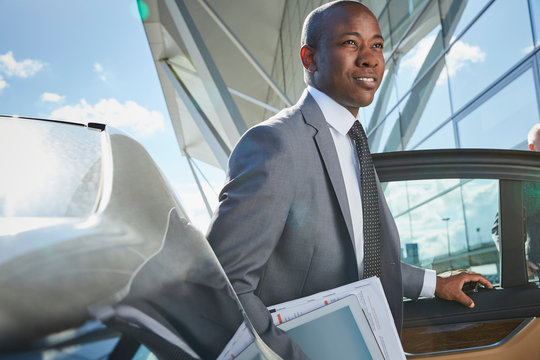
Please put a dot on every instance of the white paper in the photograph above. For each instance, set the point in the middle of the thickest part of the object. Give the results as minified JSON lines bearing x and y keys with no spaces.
{"x":371,"y":297}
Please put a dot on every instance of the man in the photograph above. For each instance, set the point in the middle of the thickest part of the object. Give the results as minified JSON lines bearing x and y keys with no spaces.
{"x":291,"y":221}
{"x":533,"y":138}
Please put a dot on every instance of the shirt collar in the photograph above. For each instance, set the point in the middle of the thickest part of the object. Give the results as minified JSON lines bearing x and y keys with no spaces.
{"x":336,"y":115}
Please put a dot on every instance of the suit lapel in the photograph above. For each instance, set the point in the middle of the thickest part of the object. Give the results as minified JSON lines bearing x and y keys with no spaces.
{"x":314,"y":117}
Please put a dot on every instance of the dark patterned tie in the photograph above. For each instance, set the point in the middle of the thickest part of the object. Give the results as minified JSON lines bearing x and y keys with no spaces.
{"x":370,"y":203}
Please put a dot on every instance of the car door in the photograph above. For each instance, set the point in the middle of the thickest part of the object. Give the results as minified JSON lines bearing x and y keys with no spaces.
{"x":474,"y":210}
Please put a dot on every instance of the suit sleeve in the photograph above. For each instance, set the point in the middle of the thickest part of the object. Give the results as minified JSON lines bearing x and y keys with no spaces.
{"x":412,"y":279}
{"x":250,"y":218}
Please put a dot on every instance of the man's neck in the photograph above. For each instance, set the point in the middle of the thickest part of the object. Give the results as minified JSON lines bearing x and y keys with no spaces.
{"x":353,"y":110}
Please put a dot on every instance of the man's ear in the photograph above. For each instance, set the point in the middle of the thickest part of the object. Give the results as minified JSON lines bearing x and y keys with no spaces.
{"x":531,"y":147}
{"x":307,"y":54}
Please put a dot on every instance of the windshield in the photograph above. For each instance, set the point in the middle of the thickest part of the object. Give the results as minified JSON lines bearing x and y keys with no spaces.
{"x":48,"y":169}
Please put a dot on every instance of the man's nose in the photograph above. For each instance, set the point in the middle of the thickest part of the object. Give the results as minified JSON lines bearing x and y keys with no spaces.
{"x":366,"y":57}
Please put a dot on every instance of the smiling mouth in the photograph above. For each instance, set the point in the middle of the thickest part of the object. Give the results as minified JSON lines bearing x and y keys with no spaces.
{"x":366,"y":79}
{"x":366,"y":82}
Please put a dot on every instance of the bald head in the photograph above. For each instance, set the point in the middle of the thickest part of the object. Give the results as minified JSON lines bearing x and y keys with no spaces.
{"x":342,"y":53}
{"x":533,"y":138}
{"x":313,"y":28}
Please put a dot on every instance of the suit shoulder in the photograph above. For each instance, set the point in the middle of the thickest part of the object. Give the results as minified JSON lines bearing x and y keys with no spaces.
{"x":287,"y":123}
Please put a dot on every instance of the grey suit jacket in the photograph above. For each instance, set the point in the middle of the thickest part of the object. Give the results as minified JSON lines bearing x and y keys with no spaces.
{"x":283,"y":229}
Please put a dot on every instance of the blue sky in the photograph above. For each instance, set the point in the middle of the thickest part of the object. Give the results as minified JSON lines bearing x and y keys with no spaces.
{"x":90,"y":60}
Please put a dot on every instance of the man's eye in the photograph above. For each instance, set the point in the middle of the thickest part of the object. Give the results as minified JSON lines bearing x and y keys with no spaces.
{"x":378,"y":45}
{"x":349,"y":42}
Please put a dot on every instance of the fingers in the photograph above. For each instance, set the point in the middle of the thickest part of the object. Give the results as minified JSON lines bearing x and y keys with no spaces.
{"x":464,"y":299}
{"x":450,"y":288}
{"x":477,"y":277}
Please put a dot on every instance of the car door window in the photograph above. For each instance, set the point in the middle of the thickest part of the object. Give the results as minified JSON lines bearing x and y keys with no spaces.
{"x":446,"y":224}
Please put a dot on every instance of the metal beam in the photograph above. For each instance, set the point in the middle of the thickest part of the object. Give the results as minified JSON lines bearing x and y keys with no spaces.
{"x":214,"y":15}
{"x":203,"y":195}
{"x":231,"y":90}
{"x":253,"y":100}
{"x":219,"y":148}
{"x":233,"y":123}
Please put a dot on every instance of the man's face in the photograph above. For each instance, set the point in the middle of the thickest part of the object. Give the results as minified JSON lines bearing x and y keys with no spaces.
{"x":348,"y":63}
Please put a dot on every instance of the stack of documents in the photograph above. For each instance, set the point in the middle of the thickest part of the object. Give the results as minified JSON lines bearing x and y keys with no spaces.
{"x":367,"y":292}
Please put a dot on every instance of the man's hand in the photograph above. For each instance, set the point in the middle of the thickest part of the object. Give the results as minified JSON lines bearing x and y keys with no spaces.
{"x":449,"y":285}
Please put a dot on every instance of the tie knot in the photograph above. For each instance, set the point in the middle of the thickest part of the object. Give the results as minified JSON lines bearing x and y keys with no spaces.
{"x":356,"y":126}
{"x":356,"y":132}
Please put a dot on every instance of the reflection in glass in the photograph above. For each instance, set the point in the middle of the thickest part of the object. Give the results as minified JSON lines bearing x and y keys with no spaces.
{"x":384,"y":23}
{"x":480,"y":203}
{"x":427,"y":107}
{"x":441,"y":139}
{"x":531,"y":203}
{"x":417,"y":60}
{"x":457,"y":15}
{"x":48,"y":169}
{"x":401,"y":14}
{"x":394,"y":194}
{"x":535,"y":9}
{"x":421,"y":191}
{"x":447,"y":224}
{"x":478,"y":58}
{"x":387,"y":136}
{"x":371,"y":114}
{"x":504,"y":120}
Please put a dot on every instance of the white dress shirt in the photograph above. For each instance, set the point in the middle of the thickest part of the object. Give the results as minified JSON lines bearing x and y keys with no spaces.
{"x":340,"y":120}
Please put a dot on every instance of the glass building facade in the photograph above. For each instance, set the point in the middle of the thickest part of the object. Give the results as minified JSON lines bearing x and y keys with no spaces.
{"x":459,"y":74}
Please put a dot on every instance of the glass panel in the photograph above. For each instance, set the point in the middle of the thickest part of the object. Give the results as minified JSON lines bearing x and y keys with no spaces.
{"x":394,"y":196}
{"x":504,"y":120}
{"x":428,"y":106}
{"x":387,"y":137}
{"x":478,"y":58}
{"x":385,"y":98}
{"x":447,"y":225}
{"x":457,"y":15}
{"x":531,"y":203}
{"x":480,"y":202}
{"x":384,"y":24}
{"x":535,"y":7}
{"x":48,"y":169}
{"x":402,"y":13}
{"x":438,"y":227}
{"x":417,"y":60}
{"x":421,"y":191}
{"x":376,"y":6}
{"x":442,"y":139}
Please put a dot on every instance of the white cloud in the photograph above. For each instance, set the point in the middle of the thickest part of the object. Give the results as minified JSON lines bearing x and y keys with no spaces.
{"x":51,"y":97}
{"x":128,"y":116}
{"x":24,"y":68}
{"x":527,"y":49}
{"x":98,"y":67}
{"x":3,"y":83}
{"x":416,"y":57}
{"x":459,"y":56}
